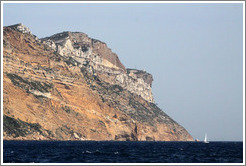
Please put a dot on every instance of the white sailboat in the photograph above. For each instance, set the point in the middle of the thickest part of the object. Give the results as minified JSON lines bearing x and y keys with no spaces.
{"x":206,"y":139}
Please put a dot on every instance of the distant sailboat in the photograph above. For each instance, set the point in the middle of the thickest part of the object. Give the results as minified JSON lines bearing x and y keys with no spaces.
{"x":206,"y":139}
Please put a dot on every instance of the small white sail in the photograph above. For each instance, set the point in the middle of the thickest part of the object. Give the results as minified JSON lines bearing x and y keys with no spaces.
{"x":206,"y":139}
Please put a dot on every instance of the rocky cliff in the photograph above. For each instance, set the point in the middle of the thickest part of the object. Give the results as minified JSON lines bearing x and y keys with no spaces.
{"x":72,"y":87}
{"x":100,"y":61}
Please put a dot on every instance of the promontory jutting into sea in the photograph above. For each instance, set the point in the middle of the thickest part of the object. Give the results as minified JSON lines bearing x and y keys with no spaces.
{"x":72,"y":87}
{"x":68,"y":98}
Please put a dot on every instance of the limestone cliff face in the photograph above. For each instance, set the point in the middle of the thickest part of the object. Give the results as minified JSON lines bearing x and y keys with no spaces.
{"x":101,"y":61}
{"x":78,"y":45}
{"x":71,"y":87}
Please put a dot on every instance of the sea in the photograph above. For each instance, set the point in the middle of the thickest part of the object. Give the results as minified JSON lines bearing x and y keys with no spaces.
{"x":121,"y":152}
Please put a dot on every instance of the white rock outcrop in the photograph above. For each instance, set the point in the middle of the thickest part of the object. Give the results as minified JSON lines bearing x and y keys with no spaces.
{"x":99,"y":59}
{"x":21,"y":28}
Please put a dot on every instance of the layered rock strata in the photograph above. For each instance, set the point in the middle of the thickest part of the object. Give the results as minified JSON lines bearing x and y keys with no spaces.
{"x":71,"y":87}
{"x":100,"y":60}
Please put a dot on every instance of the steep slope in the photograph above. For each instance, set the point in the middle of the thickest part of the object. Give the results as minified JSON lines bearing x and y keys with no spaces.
{"x":100,"y":61}
{"x":71,"y":87}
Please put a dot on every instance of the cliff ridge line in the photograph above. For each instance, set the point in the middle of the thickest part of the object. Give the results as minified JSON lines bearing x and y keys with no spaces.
{"x":48,"y":95}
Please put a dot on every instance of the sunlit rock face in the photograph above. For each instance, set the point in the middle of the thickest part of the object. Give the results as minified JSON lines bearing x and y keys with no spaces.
{"x":100,"y":60}
{"x":71,"y":87}
{"x":21,"y":28}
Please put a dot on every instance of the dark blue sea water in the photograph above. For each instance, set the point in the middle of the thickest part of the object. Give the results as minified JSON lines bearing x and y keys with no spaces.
{"x":121,"y":152}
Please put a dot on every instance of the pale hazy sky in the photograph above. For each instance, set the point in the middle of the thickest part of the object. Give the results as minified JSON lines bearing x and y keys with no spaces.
{"x":193,"y":51}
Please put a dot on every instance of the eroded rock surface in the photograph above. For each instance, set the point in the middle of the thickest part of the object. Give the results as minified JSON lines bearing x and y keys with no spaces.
{"x":100,"y":61}
{"x":71,"y":87}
